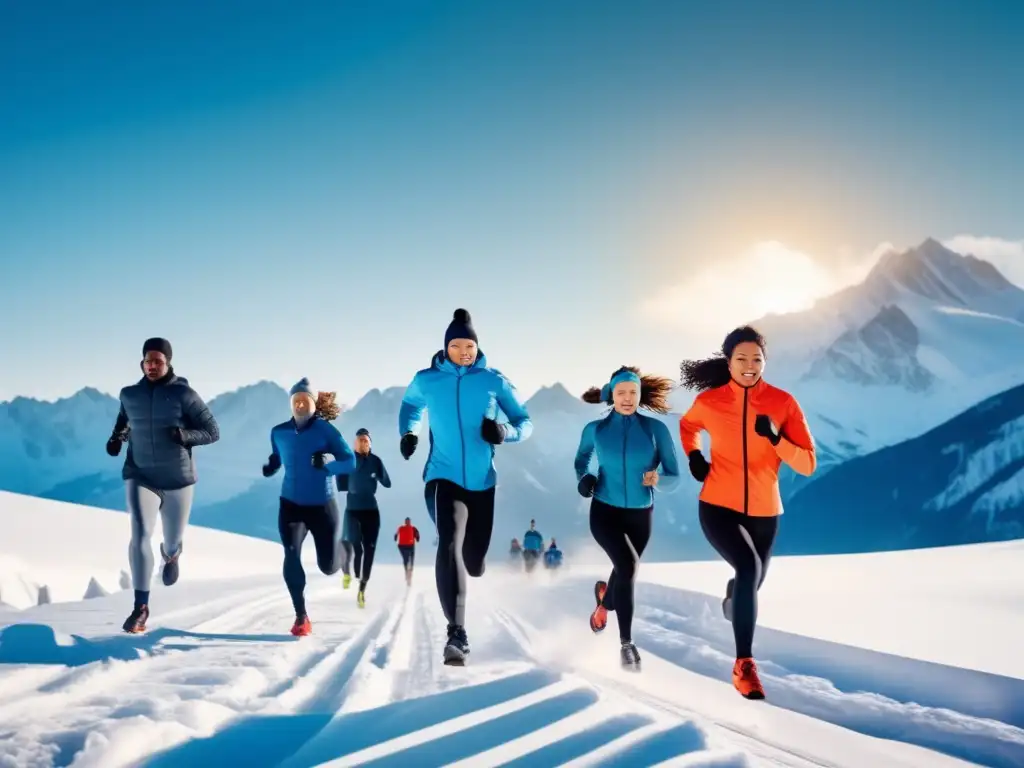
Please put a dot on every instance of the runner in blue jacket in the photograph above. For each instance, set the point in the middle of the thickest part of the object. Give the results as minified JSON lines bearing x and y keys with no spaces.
{"x":465,"y":400}
{"x":630,"y":447}
{"x":307,"y":491}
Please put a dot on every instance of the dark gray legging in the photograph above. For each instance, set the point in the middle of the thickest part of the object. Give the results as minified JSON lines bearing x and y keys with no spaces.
{"x":623,"y":535}
{"x":745,"y":542}
{"x":362,"y":527}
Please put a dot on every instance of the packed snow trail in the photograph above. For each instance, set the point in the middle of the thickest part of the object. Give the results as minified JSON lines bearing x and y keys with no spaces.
{"x":217,"y":679}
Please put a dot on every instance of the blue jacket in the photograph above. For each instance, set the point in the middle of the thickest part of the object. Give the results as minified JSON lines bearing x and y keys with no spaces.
{"x":553,"y":557}
{"x":626,"y":448}
{"x":533,"y":541}
{"x":294,"y":446}
{"x":149,"y":411}
{"x":361,"y":484}
{"x":458,"y":399}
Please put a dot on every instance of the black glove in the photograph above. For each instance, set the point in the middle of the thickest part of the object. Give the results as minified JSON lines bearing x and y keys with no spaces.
{"x":586,"y":486}
{"x":319,"y":460}
{"x":114,"y":444}
{"x":273,"y":464}
{"x":699,"y":466}
{"x":408,"y":445}
{"x":764,"y":427}
{"x":492,"y":432}
{"x":177,"y":436}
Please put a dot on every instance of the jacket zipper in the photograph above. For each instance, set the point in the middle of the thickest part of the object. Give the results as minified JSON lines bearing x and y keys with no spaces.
{"x":152,"y":426}
{"x":625,"y":477}
{"x":458,"y":413}
{"x":746,"y":476}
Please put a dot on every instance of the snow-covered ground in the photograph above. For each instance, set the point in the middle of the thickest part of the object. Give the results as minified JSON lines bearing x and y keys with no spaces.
{"x":217,"y":679}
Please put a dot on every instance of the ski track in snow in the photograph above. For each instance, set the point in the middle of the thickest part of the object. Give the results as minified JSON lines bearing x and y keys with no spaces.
{"x":368,"y":687}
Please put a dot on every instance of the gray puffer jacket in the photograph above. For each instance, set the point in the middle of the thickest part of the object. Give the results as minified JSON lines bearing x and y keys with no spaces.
{"x":149,"y":414}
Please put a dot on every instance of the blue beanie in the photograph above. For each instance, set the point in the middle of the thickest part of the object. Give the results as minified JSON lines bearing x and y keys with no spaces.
{"x":461,"y":327}
{"x":302,"y":386}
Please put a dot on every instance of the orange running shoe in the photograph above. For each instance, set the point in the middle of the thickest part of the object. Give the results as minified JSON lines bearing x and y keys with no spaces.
{"x":302,"y":626}
{"x":599,"y":618}
{"x":745,"y":679}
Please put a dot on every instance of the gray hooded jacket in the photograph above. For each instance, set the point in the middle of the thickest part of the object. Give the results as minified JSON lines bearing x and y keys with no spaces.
{"x":150,"y":412}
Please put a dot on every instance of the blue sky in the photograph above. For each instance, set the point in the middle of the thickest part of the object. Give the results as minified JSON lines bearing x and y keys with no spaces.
{"x":311,"y":189}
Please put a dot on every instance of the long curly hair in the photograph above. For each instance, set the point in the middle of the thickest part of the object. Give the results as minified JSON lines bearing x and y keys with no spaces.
{"x":713,"y":371}
{"x":654,"y":391}
{"x":326,"y":407}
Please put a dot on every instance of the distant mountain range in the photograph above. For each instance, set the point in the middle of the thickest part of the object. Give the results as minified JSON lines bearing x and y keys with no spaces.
{"x":877,"y":367}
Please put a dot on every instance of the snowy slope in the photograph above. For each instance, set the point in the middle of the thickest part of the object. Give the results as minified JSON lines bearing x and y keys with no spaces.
{"x":217,"y":680}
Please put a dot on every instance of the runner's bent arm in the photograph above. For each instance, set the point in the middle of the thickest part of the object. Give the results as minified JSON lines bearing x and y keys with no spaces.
{"x":667,"y":457}
{"x":691,"y":424}
{"x":202,"y":428}
{"x":519,"y":427}
{"x":382,"y":473}
{"x":585,"y":451}
{"x":344,"y":459}
{"x":796,"y":445}
{"x":410,"y":414}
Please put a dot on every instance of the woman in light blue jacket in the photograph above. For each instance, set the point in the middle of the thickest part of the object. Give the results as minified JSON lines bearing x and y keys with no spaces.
{"x":630,"y":448}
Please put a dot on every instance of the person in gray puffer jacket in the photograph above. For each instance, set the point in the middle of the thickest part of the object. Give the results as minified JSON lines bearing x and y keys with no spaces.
{"x":161,"y":418}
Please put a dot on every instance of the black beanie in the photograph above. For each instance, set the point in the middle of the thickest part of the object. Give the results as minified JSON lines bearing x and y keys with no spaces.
{"x":461,"y":327}
{"x":157,"y":345}
{"x":363,"y":431}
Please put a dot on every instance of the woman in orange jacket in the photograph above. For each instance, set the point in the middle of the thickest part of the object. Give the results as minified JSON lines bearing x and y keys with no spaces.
{"x":753,"y":427}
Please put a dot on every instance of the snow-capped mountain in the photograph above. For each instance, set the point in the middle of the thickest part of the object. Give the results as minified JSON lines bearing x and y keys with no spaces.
{"x":961,"y":482}
{"x":962,"y":307}
{"x":922,"y":338}
{"x":882,"y":352}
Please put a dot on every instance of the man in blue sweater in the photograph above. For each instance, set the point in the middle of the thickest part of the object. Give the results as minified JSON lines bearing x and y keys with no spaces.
{"x":533,"y":546}
{"x":463,"y":397}
{"x":307,"y":491}
{"x":162,"y":419}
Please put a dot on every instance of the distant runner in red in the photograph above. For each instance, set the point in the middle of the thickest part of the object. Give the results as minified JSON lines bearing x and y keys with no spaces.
{"x":407,"y":535}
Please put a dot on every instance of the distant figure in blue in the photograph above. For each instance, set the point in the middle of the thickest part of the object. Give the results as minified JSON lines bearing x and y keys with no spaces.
{"x":307,"y":491}
{"x":463,"y":397}
{"x":553,"y":556}
{"x":630,"y":447}
{"x":533,"y":546}
{"x":361,"y":526}
{"x":162,"y":419}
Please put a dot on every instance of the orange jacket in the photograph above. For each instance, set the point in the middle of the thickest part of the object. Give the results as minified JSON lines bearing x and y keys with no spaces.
{"x":407,"y":535}
{"x":744,"y":472}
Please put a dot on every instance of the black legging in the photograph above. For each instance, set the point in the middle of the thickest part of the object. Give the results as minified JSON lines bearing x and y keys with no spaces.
{"x":364,"y":525}
{"x":466,"y":515}
{"x":745,"y":542}
{"x":294,"y":521}
{"x":408,"y":554}
{"x":623,"y":535}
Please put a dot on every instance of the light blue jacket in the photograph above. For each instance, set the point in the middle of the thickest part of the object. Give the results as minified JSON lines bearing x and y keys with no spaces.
{"x":626,"y":447}
{"x":458,"y":399}
{"x":532,"y":540}
{"x":303,"y":483}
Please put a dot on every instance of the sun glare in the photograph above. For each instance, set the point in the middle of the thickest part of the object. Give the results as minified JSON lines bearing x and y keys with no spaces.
{"x":769,"y":277}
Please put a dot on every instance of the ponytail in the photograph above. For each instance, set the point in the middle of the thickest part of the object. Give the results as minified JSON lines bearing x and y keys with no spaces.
{"x":705,"y":374}
{"x":326,"y":408}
